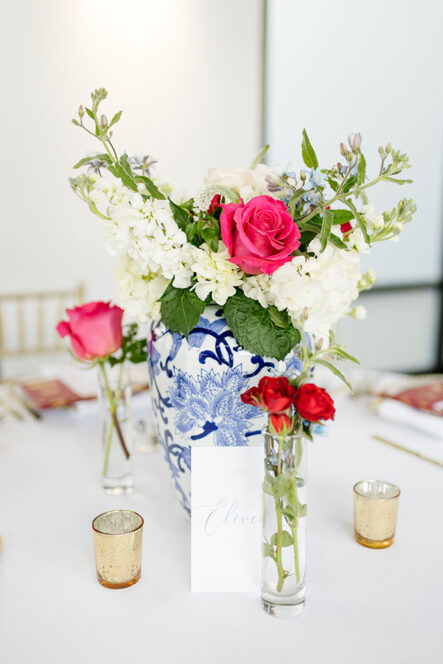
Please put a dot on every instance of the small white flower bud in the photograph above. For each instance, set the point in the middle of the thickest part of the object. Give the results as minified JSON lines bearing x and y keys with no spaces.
{"x":81,"y":111}
{"x":104,"y":121}
{"x":343,"y":150}
{"x":354,"y":141}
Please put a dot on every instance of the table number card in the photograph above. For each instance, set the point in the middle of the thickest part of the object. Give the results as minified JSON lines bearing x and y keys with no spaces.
{"x":226,"y":515}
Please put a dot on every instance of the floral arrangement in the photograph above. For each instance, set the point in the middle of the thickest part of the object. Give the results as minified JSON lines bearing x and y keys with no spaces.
{"x":279,"y":251}
{"x":293,"y":408}
{"x":98,"y":340}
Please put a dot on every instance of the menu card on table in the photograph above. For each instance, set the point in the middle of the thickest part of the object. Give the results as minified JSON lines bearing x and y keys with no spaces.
{"x":226,"y":519}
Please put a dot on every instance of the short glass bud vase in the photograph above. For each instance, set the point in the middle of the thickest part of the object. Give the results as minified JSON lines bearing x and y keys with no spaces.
{"x":115,"y":414}
{"x":284,"y":525}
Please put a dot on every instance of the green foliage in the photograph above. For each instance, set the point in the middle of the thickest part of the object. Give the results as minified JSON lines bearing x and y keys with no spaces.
{"x":308,"y":152}
{"x":180,"y":309}
{"x":361,"y":170}
{"x":255,"y":330}
{"x":99,"y":157}
{"x":181,"y":215}
{"x":286,"y":539}
{"x":132,"y":349}
{"x":326,"y":227}
{"x":342,"y":216}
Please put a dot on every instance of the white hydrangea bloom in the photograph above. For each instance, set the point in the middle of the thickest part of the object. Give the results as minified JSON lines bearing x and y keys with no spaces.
{"x":215,"y":274}
{"x":371,"y":217}
{"x":246,"y":183}
{"x":138,"y":293}
{"x":257,"y":288}
{"x":325,"y":285}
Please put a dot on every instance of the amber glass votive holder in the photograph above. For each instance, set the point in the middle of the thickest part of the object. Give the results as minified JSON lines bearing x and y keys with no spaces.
{"x":375,"y":513}
{"x":118,"y":537}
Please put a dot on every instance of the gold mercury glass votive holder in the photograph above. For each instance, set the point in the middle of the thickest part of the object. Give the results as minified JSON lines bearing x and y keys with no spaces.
{"x":375,"y":513}
{"x":118,"y":536}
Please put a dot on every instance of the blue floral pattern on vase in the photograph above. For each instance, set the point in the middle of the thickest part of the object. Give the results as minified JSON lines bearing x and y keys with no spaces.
{"x":195,"y":389}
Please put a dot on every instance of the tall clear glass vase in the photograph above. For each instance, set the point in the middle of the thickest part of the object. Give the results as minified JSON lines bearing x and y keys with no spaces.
{"x":115,"y":413}
{"x":284,"y":524}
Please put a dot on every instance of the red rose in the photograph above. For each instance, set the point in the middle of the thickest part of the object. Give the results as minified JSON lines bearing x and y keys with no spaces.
{"x":279,"y":422}
{"x":273,"y":394}
{"x":314,"y":403}
{"x":215,"y":203}
{"x":346,"y":227}
{"x":95,"y":329}
{"x":260,"y":235}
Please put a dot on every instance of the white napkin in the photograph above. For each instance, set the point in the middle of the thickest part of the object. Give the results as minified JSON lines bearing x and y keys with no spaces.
{"x":401,"y":413}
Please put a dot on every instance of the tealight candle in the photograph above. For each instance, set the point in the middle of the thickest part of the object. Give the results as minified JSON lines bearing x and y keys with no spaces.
{"x":118,"y":547}
{"x":375,"y":513}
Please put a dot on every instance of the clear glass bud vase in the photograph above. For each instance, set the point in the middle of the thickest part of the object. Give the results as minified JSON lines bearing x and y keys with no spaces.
{"x":114,"y":395}
{"x":284,"y":524}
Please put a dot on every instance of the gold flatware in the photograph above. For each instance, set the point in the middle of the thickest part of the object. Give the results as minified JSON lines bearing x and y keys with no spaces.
{"x":407,"y":450}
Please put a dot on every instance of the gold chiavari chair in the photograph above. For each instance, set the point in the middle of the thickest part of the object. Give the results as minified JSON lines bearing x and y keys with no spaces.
{"x":28,"y":320}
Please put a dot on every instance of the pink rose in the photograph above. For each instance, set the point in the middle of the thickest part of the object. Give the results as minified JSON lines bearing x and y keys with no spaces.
{"x":260,"y":236}
{"x":95,"y":329}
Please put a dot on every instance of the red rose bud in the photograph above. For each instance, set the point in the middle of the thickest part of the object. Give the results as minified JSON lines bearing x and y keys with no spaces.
{"x":277,"y":394}
{"x":279,"y":422}
{"x":346,"y":228}
{"x":252,"y":397}
{"x":215,"y":203}
{"x":314,"y":403}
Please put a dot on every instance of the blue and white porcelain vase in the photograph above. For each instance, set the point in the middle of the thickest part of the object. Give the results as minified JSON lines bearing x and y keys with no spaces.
{"x":195,"y":388}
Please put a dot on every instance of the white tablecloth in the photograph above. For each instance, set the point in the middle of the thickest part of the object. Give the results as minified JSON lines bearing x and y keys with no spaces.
{"x":362,"y":605}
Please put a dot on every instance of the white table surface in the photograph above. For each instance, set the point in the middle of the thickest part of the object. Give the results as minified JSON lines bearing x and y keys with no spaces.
{"x":362,"y":605}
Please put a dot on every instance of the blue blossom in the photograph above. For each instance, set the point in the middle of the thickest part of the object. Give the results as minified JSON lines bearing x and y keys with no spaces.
{"x":319,"y":429}
{"x":311,"y":199}
{"x":210,"y":403}
{"x":314,"y":179}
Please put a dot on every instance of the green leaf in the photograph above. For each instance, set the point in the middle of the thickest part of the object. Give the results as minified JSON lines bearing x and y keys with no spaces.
{"x":181,"y":215}
{"x":101,"y":157}
{"x":124,"y":161}
{"x":115,"y":119}
{"x":119,"y":171}
{"x":351,"y":182}
{"x":342,"y":216}
{"x":316,"y":228}
{"x":90,"y":113}
{"x":152,"y":188}
{"x":343,"y":355}
{"x":333,"y":184}
{"x":259,"y":157}
{"x":286,"y":539}
{"x":254,"y":330}
{"x":360,"y":221}
{"x":361,"y":171}
{"x":281,"y":485}
{"x":326,"y":228}
{"x":397,"y":181}
{"x":279,"y":318}
{"x":180,"y":309}
{"x":268,"y":550}
{"x":335,"y":371}
{"x":308,"y":152}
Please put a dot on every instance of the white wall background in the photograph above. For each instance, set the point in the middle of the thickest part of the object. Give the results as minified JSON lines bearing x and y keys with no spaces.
{"x":188,"y":76}
{"x":344,"y":66}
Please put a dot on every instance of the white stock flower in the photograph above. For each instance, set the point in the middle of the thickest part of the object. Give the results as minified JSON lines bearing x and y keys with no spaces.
{"x":138,"y":293}
{"x":215,"y":274}
{"x":371,"y":217}
{"x":357,"y":241}
{"x":246,"y":183}
{"x":257,"y":288}
{"x":359,"y":313}
{"x":325,"y":285}
{"x":145,"y":230}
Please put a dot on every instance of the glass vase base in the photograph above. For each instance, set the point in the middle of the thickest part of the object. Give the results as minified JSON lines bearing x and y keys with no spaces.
{"x":118,"y":486}
{"x":283,"y":610}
